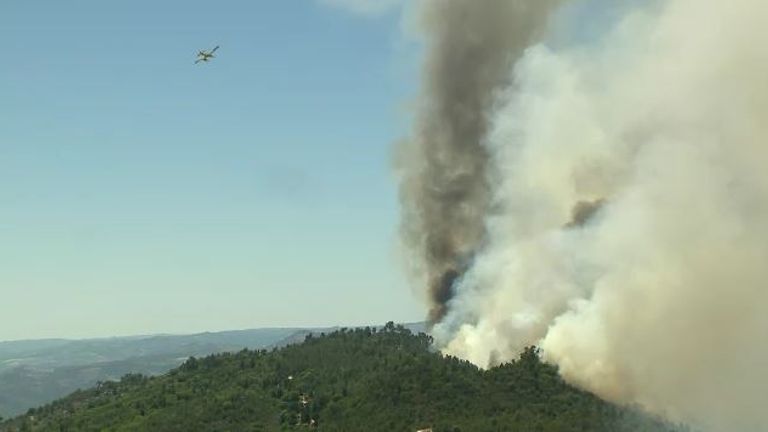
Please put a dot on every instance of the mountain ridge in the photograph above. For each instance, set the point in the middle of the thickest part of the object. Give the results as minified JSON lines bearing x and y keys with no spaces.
{"x":35,"y":372}
{"x":370,"y":379}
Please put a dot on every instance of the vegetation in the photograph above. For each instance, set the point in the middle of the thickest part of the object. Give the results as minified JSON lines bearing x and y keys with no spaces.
{"x":36,"y":372}
{"x":349,"y":380}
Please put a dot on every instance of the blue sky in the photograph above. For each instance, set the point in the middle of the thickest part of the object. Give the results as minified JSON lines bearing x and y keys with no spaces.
{"x":140,"y":193}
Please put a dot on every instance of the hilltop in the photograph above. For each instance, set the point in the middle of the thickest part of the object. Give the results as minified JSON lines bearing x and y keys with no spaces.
{"x":348,"y":380}
{"x":35,"y":372}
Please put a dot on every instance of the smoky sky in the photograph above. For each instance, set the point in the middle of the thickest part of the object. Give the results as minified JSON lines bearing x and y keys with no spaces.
{"x":627,"y":177}
{"x":470,"y":47}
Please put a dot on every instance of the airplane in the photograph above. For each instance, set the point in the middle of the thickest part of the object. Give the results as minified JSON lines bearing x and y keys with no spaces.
{"x":205,"y":56}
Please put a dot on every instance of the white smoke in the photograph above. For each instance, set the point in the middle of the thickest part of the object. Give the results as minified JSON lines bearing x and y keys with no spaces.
{"x":659,"y":294}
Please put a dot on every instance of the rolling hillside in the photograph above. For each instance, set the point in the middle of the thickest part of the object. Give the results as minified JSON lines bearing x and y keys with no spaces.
{"x":36,"y":372}
{"x":349,"y":380}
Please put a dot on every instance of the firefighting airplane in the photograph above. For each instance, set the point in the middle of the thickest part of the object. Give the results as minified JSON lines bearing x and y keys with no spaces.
{"x":205,"y":56}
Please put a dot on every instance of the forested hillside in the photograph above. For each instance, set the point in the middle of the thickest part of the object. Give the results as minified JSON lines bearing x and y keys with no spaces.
{"x":349,"y":380}
{"x":33,"y":372}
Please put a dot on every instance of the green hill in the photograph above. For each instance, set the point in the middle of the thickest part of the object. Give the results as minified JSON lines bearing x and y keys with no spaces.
{"x":349,"y":380}
{"x":33,"y":373}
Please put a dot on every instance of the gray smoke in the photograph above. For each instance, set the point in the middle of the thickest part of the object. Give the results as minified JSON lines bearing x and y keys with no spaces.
{"x":471,"y":46}
{"x":628,"y":237}
{"x":583,"y":212}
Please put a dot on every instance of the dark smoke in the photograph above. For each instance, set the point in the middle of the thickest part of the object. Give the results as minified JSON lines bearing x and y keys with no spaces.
{"x":471,"y":46}
{"x":442,"y":291}
{"x":583,"y":212}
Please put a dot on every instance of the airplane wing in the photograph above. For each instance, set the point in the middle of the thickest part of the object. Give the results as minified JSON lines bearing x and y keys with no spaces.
{"x":214,"y":50}
{"x":198,"y":61}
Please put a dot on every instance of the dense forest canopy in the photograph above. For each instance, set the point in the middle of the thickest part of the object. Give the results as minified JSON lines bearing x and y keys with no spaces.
{"x":348,"y":380}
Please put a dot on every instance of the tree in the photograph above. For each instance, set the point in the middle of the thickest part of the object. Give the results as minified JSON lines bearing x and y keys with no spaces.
{"x":351,"y":380}
{"x":26,"y":426}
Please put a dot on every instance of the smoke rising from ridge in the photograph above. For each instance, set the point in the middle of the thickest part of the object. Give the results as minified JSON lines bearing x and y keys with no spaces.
{"x":605,"y":199}
{"x":471,"y":44}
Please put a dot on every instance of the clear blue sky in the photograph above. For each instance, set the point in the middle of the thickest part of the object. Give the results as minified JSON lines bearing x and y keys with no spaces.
{"x":140,"y":193}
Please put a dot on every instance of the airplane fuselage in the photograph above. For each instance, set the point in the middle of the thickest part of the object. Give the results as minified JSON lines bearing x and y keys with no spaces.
{"x":205,"y":55}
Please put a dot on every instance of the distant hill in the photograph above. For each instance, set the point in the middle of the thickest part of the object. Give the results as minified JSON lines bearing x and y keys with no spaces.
{"x":39,"y":371}
{"x":35,"y":372}
{"x":349,"y":380}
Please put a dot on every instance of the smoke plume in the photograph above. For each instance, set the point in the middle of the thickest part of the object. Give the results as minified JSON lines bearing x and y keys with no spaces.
{"x":606,"y":198}
{"x":471,"y":46}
